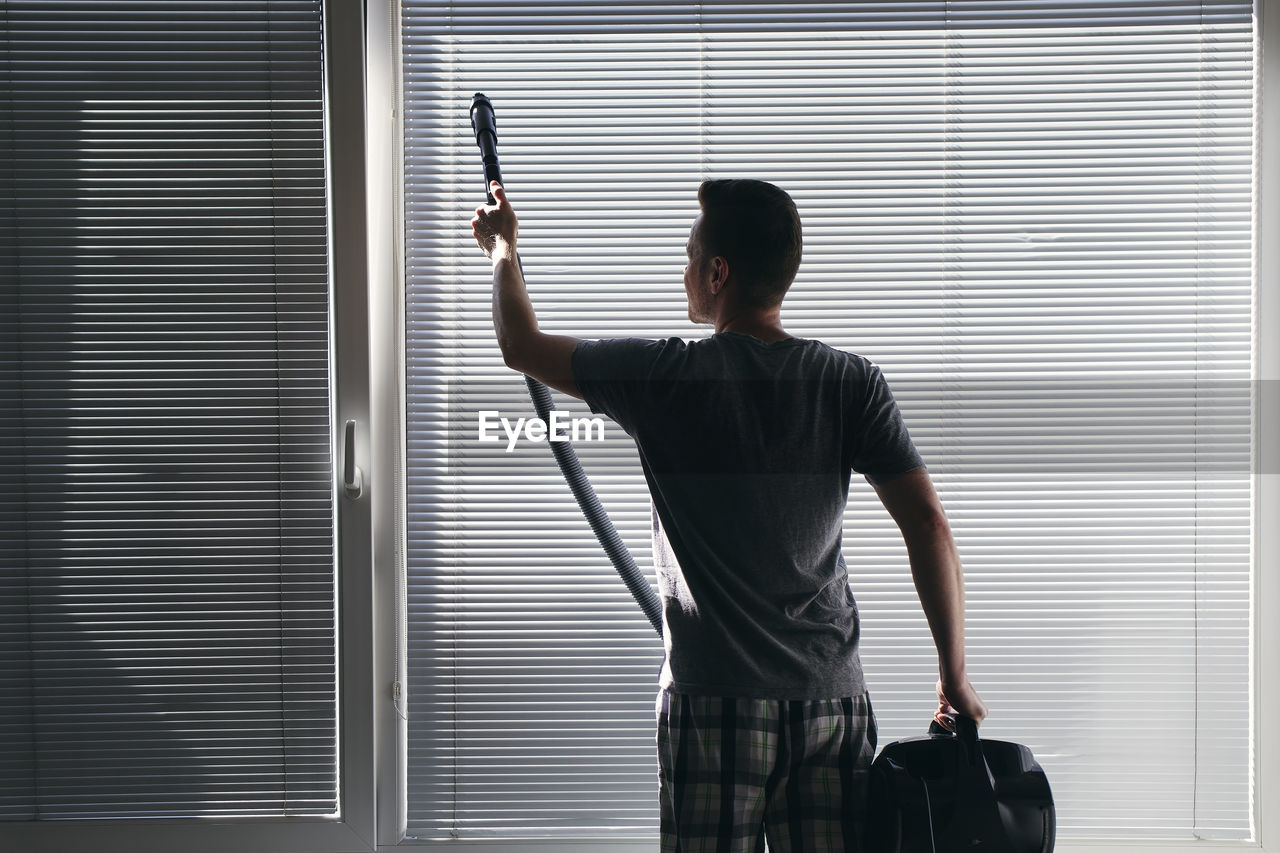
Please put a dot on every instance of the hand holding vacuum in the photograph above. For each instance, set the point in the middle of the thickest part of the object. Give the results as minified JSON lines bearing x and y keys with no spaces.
{"x":495,"y":227}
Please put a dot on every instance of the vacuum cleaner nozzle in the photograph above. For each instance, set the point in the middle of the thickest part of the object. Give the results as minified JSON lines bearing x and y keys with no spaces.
{"x":485,"y":127}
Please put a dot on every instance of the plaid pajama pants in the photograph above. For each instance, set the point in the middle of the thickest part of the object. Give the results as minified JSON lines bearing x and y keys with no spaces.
{"x":733,"y":772}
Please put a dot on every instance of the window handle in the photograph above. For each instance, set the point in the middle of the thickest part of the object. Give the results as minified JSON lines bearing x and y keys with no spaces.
{"x":352,"y":476}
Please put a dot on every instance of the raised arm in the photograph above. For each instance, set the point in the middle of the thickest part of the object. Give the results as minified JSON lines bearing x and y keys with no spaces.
{"x":939,"y":581}
{"x":547,"y":358}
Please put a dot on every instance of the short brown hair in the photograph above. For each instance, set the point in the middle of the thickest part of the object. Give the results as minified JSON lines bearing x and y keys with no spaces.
{"x":756,"y":227}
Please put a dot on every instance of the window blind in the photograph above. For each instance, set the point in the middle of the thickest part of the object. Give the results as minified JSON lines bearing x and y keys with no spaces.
{"x":1035,"y":216}
{"x":166,"y":538}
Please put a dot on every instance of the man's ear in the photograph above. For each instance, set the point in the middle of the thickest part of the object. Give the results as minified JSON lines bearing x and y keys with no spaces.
{"x":719,"y":274}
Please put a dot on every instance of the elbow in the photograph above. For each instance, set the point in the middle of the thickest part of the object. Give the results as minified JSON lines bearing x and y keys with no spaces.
{"x":509,"y":357}
{"x":513,"y":355}
{"x":935,"y":520}
{"x":929,"y":523}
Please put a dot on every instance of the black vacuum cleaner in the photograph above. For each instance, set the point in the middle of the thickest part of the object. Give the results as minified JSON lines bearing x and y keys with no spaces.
{"x":952,"y":792}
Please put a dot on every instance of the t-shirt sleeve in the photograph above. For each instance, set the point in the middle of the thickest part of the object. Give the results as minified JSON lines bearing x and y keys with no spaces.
{"x":614,"y":374}
{"x":881,"y":447}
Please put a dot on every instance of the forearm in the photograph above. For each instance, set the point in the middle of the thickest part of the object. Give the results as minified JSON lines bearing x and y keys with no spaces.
{"x":513,"y":316}
{"x":546,"y":358}
{"x":939,"y":582}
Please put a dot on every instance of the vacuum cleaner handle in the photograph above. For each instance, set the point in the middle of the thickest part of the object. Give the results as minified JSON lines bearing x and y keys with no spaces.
{"x":977,"y":812}
{"x":965,"y":729}
{"x":485,"y":127}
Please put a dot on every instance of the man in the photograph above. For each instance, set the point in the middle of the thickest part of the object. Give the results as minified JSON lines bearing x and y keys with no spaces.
{"x":747,"y":439}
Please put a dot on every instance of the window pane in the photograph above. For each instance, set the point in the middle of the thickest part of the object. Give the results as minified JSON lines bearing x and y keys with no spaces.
{"x":166,"y":533}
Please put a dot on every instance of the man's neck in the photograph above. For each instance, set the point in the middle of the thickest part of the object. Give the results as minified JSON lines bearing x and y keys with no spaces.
{"x":762,"y":323}
{"x":767,"y":332}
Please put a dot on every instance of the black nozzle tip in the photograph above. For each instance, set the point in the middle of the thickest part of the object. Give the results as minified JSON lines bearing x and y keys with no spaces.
{"x":480,"y":102}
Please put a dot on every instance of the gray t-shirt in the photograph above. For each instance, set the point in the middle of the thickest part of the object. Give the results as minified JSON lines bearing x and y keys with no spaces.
{"x":747,"y":448}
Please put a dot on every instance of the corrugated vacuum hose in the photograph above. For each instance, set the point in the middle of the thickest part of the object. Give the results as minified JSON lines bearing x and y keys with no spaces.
{"x":484,"y":125}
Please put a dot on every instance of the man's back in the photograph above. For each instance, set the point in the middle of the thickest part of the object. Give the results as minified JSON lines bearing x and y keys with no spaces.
{"x":748,"y":449}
